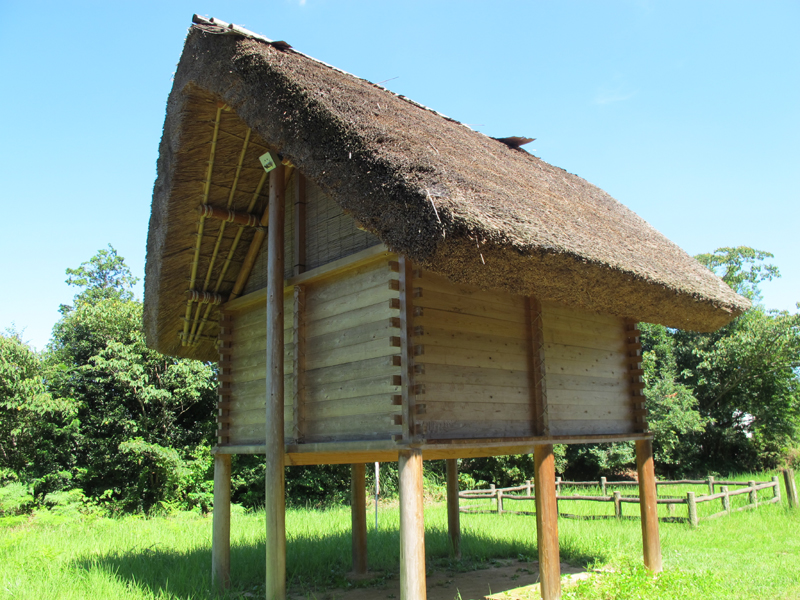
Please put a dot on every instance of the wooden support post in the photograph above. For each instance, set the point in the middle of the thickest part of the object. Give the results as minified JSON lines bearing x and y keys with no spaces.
{"x":453,"y":520}
{"x":547,"y":522}
{"x":412,"y":526}
{"x":528,"y":488}
{"x":753,"y":495}
{"x":221,"y":532}
{"x":692,"y":507}
{"x":726,"y":499}
{"x":710,"y":485}
{"x":776,"y":488}
{"x":618,"y":505}
{"x":358,"y":510}
{"x":299,"y":224}
{"x":274,"y":499}
{"x":648,"y":505}
{"x":603,"y":482}
{"x":791,"y":487}
{"x":299,"y":364}
{"x":499,"y":502}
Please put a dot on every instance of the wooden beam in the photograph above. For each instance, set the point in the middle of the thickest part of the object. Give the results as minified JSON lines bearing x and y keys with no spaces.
{"x":547,"y":521}
{"x":299,"y":238}
{"x":221,"y":528}
{"x":274,"y":499}
{"x":228,"y":216}
{"x":651,"y":544}
{"x":412,"y":526}
{"x":358,"y":513}
{"x":406,"y":292}
{"x":536,"y":366}
{"x":299,"y":363}
{"x":453,"y":523}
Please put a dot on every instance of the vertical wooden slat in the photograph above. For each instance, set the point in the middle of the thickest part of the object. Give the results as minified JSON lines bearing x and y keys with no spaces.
{"x":299,"y":364}
{"x":358,"y":514}
{"x":536,"y":373}
{"x":547,"y":521}
{"x":274,"y":500}
{"x":225,"y":373}
{"x":412,"y":526}
{"x":453,"y":517}
{"x":633,"y":347}
{"x":648,"y":505}
{"x":221,"y":528}
{"x":299,"y":224}
{"x":407,"y":350}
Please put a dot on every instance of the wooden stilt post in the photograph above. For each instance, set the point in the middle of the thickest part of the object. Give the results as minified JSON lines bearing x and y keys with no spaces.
{"x":412,"y":526}
{"x":221,"y":534}
{"x":453,"y":518}
{"x":648,"y":505}
{"x":791,"y":487}
{"x":358,"y":510}
{"x":274,"y":500}
{"x":547,"y":521}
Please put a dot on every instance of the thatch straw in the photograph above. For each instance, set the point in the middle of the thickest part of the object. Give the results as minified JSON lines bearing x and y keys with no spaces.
{"x":453,"y":200}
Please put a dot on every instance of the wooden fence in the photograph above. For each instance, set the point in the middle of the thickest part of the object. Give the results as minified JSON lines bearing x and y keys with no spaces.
{"x":502,"y":496}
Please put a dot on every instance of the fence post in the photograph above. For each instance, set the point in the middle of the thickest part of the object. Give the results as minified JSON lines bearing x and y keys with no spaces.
{"x":499,"y":502}
{"x":617,"y":505}
{"x":558,"y":486}
{"x":726,"y":499}
{"x":776,"y":488}
{"x":753,"y":495}
{"x":671,"y":509}
{"x":791,"y":487}
{"x":710,"y":485}
{"x":690,"y":501}
{"x":603,"y":481}
{"x":528,"y":488}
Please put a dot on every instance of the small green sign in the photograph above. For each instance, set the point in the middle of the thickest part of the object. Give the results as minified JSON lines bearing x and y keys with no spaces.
{"x":267,"y":162}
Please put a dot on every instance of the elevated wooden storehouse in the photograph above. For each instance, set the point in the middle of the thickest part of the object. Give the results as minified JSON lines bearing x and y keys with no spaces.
{"x":379,"y":282}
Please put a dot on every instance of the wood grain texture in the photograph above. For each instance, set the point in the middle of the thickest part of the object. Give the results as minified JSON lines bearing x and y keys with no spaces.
{"x":648,"y":496}
{"x":547,"y":522}
{"x":358,"y":517}
{"x":453,"y":516}
{"x":274,"y":500}
{"x":221,"y":527}
{"x":412,"y":526}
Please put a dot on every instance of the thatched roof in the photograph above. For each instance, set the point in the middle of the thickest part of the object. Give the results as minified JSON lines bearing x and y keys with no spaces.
{"x":455,"y":201}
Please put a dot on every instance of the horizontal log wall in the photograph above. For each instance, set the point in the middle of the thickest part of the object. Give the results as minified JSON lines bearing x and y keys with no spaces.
{"x":471,"y":354}
{"x":352,"y":356}
{"x":247,"y":391}
{"x":588,"y":374}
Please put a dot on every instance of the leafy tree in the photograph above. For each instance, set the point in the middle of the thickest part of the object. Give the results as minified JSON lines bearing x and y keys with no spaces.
{"x":736,"y":392}
{"x":141,"y":415}
{"x":35,"y":427}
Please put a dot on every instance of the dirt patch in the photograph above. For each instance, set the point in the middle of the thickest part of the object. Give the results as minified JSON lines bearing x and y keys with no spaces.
{"x":505,"y":580}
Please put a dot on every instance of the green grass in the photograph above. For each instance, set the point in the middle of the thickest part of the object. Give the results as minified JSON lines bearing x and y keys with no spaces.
{"x":751,"y":555}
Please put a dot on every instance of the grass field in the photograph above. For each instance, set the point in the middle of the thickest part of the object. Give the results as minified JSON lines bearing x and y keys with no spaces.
{"x":753,"y":555}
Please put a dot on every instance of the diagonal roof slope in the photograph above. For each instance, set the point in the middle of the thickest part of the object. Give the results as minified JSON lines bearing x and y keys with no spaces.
{"x":457,"y":202}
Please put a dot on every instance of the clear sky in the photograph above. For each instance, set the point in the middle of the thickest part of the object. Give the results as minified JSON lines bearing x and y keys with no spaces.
{"x":687,"y":112}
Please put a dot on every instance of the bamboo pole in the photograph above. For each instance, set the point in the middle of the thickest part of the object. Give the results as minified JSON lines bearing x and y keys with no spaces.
{"x":221,"y":527}
{"x":412,"y":526}
{"x":200,"y":226}
{"x":547,"y":522}
{"x":274,"y":500}
{"x":648,"y":505}
{"x":453,"y":519}
{"x":358,"y":517}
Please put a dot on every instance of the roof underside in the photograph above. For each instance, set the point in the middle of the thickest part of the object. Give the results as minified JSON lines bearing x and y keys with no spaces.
{"x":455,"y":201}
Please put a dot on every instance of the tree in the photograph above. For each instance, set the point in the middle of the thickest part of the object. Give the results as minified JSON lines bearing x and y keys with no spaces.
{"x":35,"y":428}
{"x":744,"y":377}
{"x":141,"y":415}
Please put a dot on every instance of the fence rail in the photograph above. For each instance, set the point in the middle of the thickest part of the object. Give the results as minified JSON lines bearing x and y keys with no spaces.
{"x":691,"y":499}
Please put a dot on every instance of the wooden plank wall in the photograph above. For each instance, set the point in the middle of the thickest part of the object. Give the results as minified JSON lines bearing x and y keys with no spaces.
{"x":588,"y":387}
{"x":248,"y":388}
{"x":351,"y":382}
{"x":471,"y":359}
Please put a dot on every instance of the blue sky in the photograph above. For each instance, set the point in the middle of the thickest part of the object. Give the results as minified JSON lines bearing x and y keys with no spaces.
{"x":687,"y":112}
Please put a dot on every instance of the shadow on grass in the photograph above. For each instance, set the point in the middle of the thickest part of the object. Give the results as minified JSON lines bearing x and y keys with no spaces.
{"x":314,"y":563}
